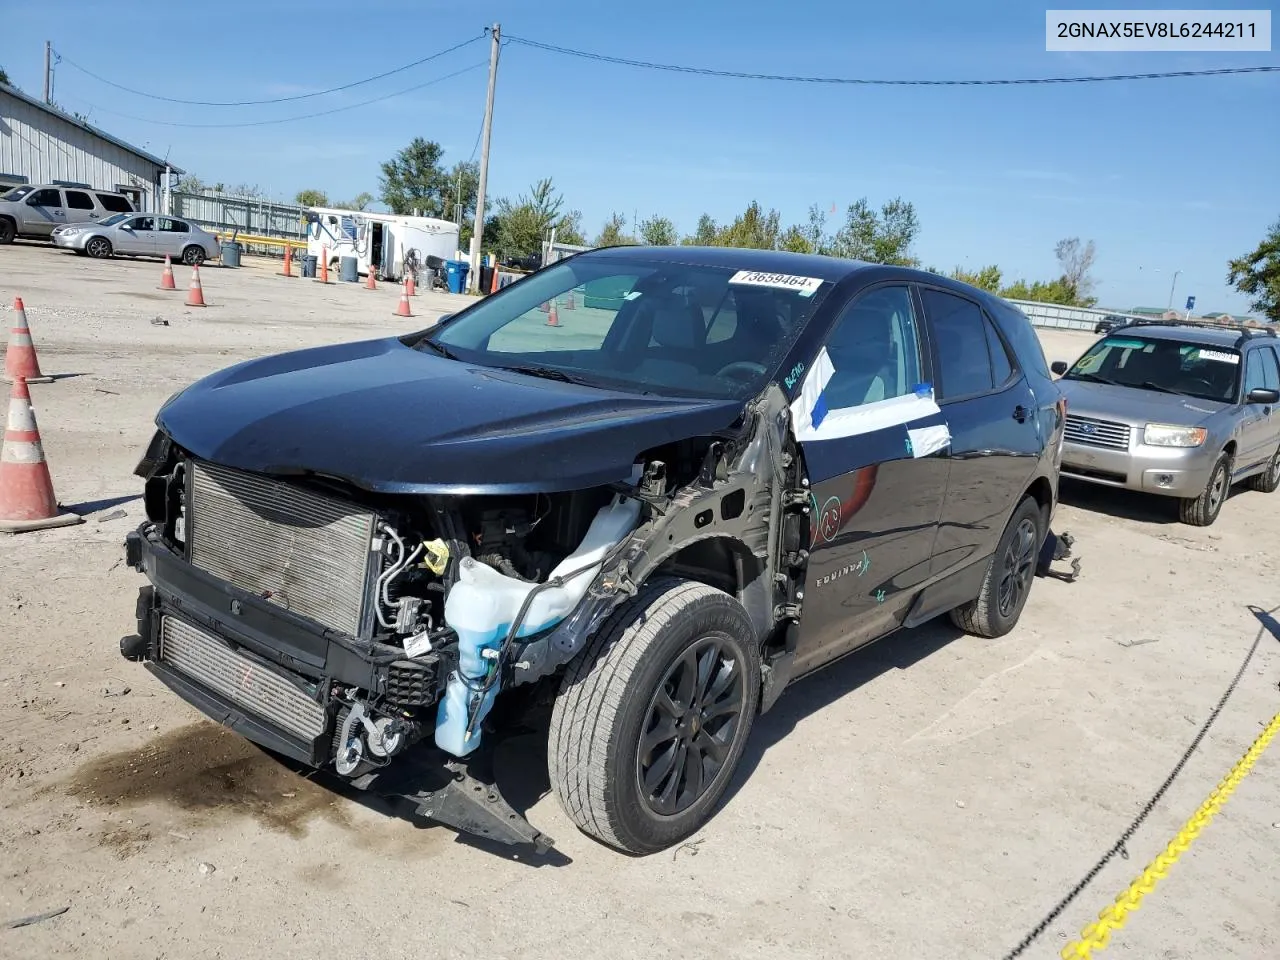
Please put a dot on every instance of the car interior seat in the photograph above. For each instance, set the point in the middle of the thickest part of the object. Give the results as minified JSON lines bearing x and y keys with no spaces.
{"x":678,"y":338}
{"x":862,"y":351}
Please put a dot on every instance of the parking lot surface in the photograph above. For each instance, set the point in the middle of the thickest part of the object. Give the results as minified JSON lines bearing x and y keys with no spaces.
{"x":934,"y":795}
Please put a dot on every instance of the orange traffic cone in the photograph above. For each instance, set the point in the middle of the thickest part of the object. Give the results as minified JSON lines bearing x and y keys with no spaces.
{"x":323,"y":276}
{"x":195,"y":293}
{"x":493,"y":286}
{"x":553,"y":319}
{"x":166,"y":278}
{"x":410,"y":287}
{"x":570,"y":305}
{"x":544,"y":307}
{"x":371,"y":284}
{"x":402,"y":309}
{"x":288,"y":261}
{"x":20,"y":359}
{"x":27,"y":501}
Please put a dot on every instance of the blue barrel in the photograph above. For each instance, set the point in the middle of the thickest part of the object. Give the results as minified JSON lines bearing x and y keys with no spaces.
{"x":231,"y":253}
{"x":309,"y":264}
{"x":350,"y":269}
{"x":456,"y":272}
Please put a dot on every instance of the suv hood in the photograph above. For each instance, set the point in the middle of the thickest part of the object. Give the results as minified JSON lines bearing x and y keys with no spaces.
{"x":388,"y":418}
{"x":1135,"y":405}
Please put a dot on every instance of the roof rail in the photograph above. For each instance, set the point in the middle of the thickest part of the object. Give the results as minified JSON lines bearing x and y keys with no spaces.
{"x":1248,"y":333}
{"x":1245,"y":332}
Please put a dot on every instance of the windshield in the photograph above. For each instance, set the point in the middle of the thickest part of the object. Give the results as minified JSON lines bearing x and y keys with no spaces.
{"x":1165,"y":366}
{"x":639,"y":325}
{"x":112,"y":220}
{"x":17,"y":193}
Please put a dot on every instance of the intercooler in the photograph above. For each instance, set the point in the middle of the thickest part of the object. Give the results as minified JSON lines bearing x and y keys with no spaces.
{"x":191,"y":651}
{"x":299,"y":550}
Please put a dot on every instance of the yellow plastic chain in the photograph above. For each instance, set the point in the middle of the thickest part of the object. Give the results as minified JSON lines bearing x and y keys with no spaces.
{"x":1096,"y":936}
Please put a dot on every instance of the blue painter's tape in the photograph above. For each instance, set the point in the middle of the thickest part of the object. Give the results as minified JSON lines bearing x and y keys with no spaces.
{"x":819,"y":410}
{"x":923,"y":389}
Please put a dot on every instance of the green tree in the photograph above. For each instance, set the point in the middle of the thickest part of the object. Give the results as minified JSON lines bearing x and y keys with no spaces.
{"x":360,"y":201}
{"x":613,"y":233}
{"x":705,"y":233}
{"x":414,"y":180}
{"x":1257,"y":274}
{"x":753,"y":229}
{"x":795,"y":239}
{"x":524,"y":223}
{"x":463,"y":190}
{"x":569,"y":229}
{"x":658,"y":232}
{"x":4,"y":78}
{"x":1076,"y":260}
{"x":1057,"y":291}
{"x":312,"y":198}
{"x":190,"y":183}
{"x":878,"y":237}
{"x":988,"y":278}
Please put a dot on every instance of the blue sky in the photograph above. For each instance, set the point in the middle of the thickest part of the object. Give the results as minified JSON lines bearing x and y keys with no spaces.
{"x":1163,"y":175}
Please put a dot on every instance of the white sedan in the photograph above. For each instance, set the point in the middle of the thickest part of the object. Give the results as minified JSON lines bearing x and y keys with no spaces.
{"x":139,"y":235}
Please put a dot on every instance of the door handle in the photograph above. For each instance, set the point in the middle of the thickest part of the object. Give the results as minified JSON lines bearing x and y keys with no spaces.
{"x":1020,"y":413}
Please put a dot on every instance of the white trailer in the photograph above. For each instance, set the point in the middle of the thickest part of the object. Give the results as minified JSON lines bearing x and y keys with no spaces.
{"x":383,"y":241}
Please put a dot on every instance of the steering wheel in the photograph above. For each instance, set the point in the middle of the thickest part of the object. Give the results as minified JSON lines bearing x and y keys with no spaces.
{"x":741,"y":368}
{"x":1205,"y":381}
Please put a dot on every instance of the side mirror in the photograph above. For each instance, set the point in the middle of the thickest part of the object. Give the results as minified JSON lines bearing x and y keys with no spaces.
{"x":1059,"y":367}
{"x":1263,"y":395}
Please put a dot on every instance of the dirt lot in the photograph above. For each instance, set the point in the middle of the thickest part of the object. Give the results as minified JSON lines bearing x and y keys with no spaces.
{"x":932,"y":796}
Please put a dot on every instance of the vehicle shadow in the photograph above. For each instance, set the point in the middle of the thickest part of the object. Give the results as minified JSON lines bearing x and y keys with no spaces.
{"x":95,"y":506}
{"x":818,"y":690}
{"x":1121,"y":504}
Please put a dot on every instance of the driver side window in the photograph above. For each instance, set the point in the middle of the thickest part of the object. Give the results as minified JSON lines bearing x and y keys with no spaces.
{"x":874,"y":349}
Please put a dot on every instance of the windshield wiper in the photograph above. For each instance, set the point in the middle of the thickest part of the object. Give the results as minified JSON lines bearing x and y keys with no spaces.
{"x":1096,"y":377}
{"x":438,"y":348}
{"x":547,"y":373}
{"x":1151,"y":385}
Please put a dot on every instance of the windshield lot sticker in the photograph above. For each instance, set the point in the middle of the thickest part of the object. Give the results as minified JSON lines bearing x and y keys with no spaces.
{"x":1219,"y":356}
{"x":805,"y":286}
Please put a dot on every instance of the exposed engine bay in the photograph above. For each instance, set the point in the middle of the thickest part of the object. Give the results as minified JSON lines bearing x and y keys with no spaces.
{"x":360,"y":624}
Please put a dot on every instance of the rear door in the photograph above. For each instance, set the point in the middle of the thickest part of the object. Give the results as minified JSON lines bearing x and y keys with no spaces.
{"x":137,"y":236}
{"x":868,"y":431}
{"x":995,"y":439}
{"x":80,"y":206}
{"x":172,"y":237}
{"x":42,"y":211}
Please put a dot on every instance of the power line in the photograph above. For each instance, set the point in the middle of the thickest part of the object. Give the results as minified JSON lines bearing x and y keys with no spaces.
{"x":305,"y":116}
{"x":254,"y":103}
{"x":865,"y":81}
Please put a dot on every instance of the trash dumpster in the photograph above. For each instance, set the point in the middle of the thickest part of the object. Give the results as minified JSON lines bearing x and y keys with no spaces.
{"x":309,"y":264}
{"x":456,"y":274}
{"x":350,"y":268}
{"x":231,"y":253}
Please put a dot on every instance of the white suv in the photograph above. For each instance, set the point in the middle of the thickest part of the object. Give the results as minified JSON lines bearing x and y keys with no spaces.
{"x":34,"y":211}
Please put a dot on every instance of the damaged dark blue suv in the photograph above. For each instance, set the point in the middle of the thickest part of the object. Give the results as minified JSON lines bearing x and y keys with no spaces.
{"x":646,"y":487}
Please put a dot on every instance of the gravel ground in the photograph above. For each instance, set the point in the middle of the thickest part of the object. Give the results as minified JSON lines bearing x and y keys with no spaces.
{"x":931,"y":796}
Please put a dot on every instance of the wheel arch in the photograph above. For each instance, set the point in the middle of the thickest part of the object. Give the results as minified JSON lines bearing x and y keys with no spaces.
{"x":1041,"y":490}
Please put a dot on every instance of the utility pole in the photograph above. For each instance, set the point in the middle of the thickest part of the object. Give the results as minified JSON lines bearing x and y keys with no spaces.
{"x":1171,"y":286}
{"x":477,"y":234}
{"x":48,"y":72}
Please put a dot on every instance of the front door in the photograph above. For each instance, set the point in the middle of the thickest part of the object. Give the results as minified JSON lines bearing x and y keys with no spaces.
{"x":995,"y":440}
{"x":1259,"y":426}
{"x":43,"y":212}
{"x":873,"y":444}
{"x":137,"y":236}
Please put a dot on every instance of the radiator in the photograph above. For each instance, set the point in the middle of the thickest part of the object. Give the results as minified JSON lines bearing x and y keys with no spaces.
{"x":299,"y":550}
{"x":248,"y":684}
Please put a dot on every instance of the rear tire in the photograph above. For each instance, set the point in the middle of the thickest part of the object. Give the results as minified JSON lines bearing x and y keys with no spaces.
{"x":193,"y":256}
{"x":8,"y":230}
{"x":653,"y":716}
{"x":1268,"y":481}
{"x":1201,"y":511}
{"x":98,"y":247}
{"x":1010,"y":573}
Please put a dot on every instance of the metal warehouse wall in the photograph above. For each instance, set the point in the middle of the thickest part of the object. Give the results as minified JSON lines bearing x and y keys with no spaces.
{"x":246,"y":214}
{"x":44,"y":148}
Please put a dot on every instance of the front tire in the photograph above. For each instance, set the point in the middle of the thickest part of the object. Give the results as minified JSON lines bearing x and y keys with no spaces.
{"x":653,"y":716}
{"x":1010,"y":573}
{"x":1201,"y":511}
{"x":98,"y":247}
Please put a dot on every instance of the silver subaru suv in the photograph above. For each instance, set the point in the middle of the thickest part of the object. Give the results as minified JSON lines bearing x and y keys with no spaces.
{"x":1178,"y":409}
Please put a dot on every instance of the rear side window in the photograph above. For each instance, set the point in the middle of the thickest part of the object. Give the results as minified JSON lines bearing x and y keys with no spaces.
{"x":114,"y":202}
{"x":1001,"y":368}
{"x":79,"y":200}
{"x":1026,"y":344}
{"x":962,"y":334}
